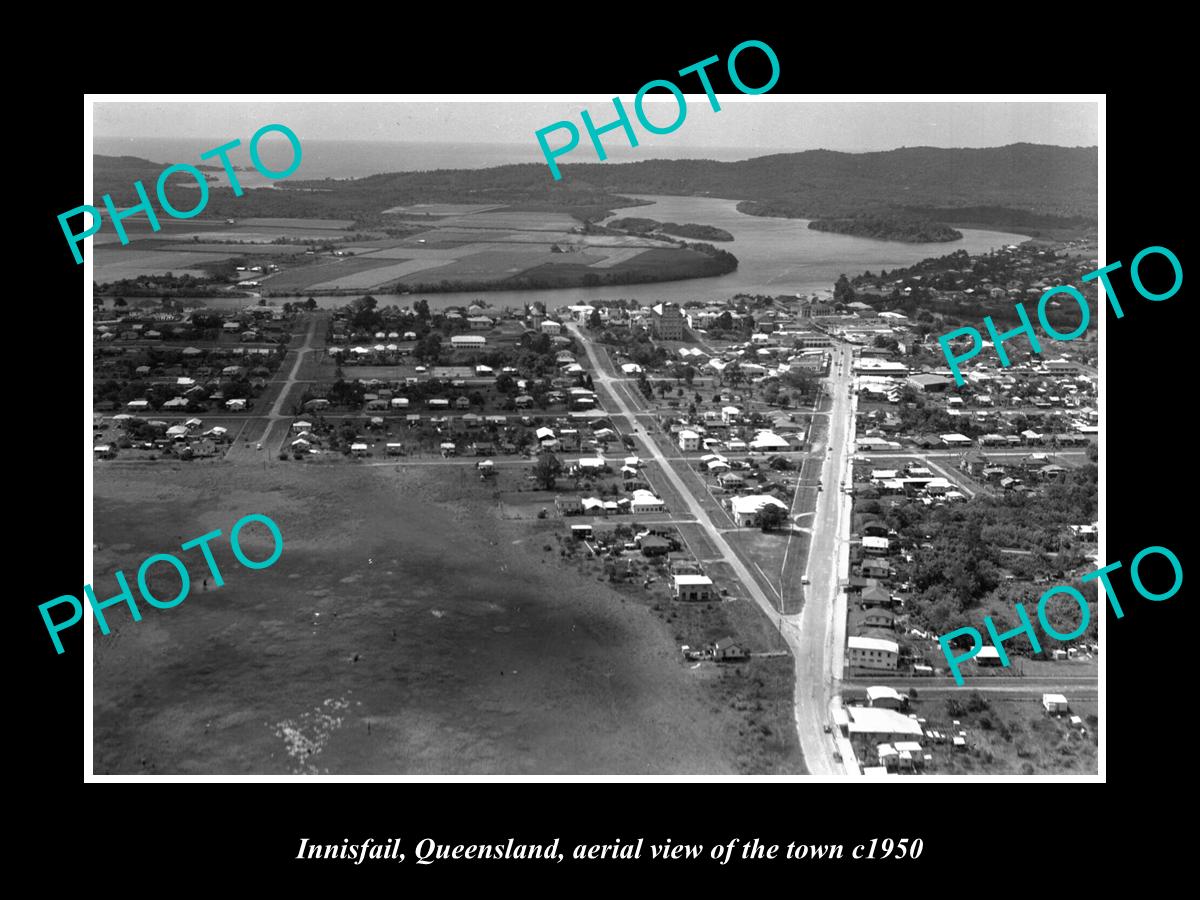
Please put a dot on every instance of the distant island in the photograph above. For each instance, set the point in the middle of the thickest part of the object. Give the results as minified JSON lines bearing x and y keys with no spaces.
{"x":889,"y":228}
{"x":634,"y":225}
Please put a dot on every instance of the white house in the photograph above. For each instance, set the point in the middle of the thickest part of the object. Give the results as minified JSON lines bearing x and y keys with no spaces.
{"x":767,"y":440}
{"x":885,"y":697}
{"x":693,"y":587}
{"x":645,"y":502}
{"x":872,"y":653}
{"x":1055,"y":704}
{"x":468,"y":341}
{"x":689,"y":440}
{"x":875,"y":546}
{"x":745,"y":510}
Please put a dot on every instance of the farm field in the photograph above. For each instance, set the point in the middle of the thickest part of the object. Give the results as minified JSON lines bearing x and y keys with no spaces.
{"x":113,"y":262}
{"x":439,"y":209}
{"x":405,"y":629}
{"x":375,"y":275}
{"x":464,"y":244}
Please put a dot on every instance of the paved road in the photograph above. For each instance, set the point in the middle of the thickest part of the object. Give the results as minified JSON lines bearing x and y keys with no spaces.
{"x":809,"y":639}
{"x":270,"y":440}
{"x":819,"y":630}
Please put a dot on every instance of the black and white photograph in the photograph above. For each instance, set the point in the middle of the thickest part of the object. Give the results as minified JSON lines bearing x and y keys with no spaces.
{"x":444,"y":436}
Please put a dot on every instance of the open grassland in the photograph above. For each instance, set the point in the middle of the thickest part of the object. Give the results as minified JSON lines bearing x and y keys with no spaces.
{"x":406,"y":628}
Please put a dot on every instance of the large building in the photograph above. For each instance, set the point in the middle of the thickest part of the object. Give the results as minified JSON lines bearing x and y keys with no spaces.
{"x":668,"y":322}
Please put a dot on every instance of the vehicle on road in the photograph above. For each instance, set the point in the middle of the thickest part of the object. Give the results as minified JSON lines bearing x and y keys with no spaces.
{"x":828,"y":728}
{"x":804,"y":579}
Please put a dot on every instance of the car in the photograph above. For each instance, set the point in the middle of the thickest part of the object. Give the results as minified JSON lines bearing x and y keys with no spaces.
{"x":258,"y":446}
{"x":804,"y":579}
{"x":828,"y":728}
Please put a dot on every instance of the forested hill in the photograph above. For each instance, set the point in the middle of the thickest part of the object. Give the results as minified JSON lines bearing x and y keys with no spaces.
{"x":1001,"y":183}
{"x":1034,"y":178}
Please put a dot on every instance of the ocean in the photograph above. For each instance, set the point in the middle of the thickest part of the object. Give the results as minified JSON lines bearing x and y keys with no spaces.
{"x":357,"y":159}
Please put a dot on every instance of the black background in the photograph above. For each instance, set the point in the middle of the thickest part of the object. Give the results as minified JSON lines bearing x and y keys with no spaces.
{"x":972,"y":831}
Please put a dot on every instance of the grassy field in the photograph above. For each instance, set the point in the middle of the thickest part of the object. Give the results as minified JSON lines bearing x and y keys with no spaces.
{"x":405,"y":629}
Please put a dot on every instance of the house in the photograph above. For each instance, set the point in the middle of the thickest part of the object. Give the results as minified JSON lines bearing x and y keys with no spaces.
{"x":988,"y":655}
{"x":689,"y":441}
{"x":727,"y":648}
{"x":462,"y":403}
{"x":655,"y":546}
{"x":1055,"y":704}
{"x":746,"y":509}
{"x":645,"y":502}
{"x":767,"y":440}
{"x":910,"y":754}
{"x":693,"y":587}
{"x":875,"y":546}
{"x":468,"y":342}
{"x":884,"y":722}
{"x":359,"y":449}
{"x":872,"y":653}
{"x":104,"y":451}
{"x":550,"y":327}
{"x":235,"y":405}
{"x":568,"y":506}
{"x":883,"y":697}
{"x":876,"y":568}
{"x":395,"y":449}
{"x":875,"y":617}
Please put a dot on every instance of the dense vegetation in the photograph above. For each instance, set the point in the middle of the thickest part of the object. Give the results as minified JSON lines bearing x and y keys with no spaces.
{"x":1020,"y":179}
{"x":668,"y":264}
{"x":909,"y":230}
{"x":959,"y":567}
{"x":633,"y":225}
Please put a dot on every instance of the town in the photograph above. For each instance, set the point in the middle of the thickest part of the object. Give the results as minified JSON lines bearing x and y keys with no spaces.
{"x":793,"y":485}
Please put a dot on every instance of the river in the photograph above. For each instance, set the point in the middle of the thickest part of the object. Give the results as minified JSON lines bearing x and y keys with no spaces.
{"x":775,"y":256}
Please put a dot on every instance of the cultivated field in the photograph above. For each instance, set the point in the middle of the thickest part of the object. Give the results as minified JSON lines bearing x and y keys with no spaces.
{"x":461,"y":243}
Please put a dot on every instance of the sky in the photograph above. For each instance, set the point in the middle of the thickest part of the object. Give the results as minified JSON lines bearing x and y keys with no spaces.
{"x":767,"y":122}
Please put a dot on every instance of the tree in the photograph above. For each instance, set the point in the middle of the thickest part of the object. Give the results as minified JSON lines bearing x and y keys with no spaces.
{"x":546,"y":470}
{"x":421,"y":308}
{"x":594,"y":320}
{"x":310,"y":303}
{"x":772,"y":517}
{"x":120,"y":301}
{"x":429,"y":348}
{"x":842,"y":291}
{"x":262,"y":301}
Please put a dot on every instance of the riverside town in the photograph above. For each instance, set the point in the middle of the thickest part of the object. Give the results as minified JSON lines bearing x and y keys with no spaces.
{"x":184,"y":578}
{"x":1026,"y":327}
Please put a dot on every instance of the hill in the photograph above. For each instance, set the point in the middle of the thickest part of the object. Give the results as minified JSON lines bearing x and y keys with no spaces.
{"x":993,"y":187}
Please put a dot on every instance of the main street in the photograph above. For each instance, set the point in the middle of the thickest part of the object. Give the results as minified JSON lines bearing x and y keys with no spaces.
{"x":815,"y":636}
{"x":242,"y":452}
